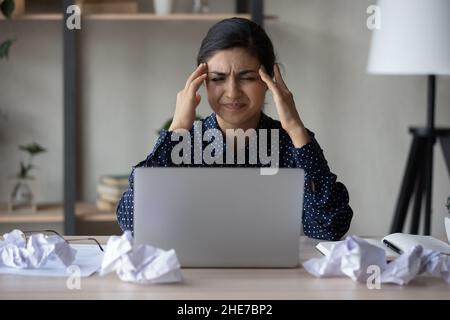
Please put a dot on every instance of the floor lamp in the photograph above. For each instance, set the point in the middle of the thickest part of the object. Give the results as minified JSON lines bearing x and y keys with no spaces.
{"x":414,"y":39}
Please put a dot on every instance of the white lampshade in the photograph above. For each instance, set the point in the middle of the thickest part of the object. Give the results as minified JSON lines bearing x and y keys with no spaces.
{"x":414,"y":38}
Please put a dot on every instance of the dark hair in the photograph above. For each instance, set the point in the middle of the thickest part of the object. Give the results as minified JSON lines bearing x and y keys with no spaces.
{"x":238,"y":33}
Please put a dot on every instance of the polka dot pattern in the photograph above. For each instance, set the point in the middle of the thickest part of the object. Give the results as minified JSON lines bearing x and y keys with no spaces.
{"x":326,"y":211}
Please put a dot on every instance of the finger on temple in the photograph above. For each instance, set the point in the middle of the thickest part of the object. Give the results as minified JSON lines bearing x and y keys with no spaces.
{"x":201,"y":69}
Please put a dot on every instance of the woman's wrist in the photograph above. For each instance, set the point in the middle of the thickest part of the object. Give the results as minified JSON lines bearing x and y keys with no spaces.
{"x":175,"y":126}
{"x":299,"y":136}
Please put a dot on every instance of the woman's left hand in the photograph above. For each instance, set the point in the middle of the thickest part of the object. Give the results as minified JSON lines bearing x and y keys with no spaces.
{"x":284,"y":102}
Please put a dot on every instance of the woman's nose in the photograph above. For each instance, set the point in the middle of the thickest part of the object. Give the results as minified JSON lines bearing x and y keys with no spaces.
{"x":233,"y":89}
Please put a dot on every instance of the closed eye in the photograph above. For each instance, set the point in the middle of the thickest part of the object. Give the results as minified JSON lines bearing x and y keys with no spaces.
{"x":221,"y":79}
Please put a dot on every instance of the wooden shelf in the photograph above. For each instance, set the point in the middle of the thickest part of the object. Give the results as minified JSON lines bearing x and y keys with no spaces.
{"x":137,"y":17}
{"x":53,"y":213}
{"x":154,"y":17}
{"x":37,"y":17}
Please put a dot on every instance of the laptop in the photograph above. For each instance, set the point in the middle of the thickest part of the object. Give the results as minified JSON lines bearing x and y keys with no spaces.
{"x":221,"y":217}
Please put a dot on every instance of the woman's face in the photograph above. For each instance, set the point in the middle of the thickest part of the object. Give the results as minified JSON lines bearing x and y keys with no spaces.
{"x":235,"y":90}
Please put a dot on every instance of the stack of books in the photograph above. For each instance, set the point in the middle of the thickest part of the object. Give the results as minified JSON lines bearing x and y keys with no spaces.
{"x":110,"y":190}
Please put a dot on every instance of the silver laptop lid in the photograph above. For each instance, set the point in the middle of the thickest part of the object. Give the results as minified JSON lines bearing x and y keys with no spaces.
{"x":220,"y":217}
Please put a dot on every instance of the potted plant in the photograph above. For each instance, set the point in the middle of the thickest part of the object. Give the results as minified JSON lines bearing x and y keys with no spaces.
{"x":22,"y":194}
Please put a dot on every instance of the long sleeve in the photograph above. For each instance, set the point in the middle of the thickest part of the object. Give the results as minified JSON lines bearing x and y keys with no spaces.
{"x":159,"y":157}
{"x":326,"y":211}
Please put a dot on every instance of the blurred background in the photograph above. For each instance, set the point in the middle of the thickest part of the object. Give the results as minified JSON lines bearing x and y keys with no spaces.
{"x":130,"y":70}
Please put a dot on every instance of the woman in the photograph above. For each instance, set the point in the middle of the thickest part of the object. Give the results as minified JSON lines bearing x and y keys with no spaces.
{"x":236,"y":62}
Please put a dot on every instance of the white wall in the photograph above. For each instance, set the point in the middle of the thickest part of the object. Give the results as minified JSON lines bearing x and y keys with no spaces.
{"x":360,"y":120}
{"x":131,"y":72}
{"x":31,"y":105}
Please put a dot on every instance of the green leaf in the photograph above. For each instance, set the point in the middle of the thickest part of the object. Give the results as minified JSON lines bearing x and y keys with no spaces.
{"x":23,"y":171}
{"x":7,"y":8}
{"x":4,"y":48}
{"x":32,"y":148}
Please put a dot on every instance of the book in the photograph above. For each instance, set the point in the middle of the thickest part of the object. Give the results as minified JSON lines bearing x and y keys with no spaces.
{"x":113,"y":191}
{"x":395,"y":244}
{"x":115,"y":180}
{"x":109,"y":197}
{"x":105,"y":205}
{"x":401,"y":242}
{"x":325,"y":247}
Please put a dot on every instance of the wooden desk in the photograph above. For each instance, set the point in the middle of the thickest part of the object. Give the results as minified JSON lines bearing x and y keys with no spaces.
{"x":224,"y":284}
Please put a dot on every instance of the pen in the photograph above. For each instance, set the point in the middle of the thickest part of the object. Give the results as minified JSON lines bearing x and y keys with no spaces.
{"x":390,"y":245}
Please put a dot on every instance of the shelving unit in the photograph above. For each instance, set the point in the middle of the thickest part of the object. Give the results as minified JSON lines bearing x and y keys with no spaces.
{"x":71,"y":212}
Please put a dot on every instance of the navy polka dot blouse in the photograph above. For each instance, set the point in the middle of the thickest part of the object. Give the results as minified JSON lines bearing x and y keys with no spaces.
{"x":326,"y":210}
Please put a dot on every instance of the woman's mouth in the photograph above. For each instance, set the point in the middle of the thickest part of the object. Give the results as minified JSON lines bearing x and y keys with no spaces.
{"x":234,"y":106}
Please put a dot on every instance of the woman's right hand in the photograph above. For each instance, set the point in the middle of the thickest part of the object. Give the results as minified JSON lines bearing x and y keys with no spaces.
{"x":188,"y":99}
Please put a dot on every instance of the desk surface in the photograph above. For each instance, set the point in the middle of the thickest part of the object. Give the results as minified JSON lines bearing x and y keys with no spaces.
{"x":224,"y":284}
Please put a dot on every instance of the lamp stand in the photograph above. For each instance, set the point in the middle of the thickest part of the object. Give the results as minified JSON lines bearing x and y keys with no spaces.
{"x":419,"y":169}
